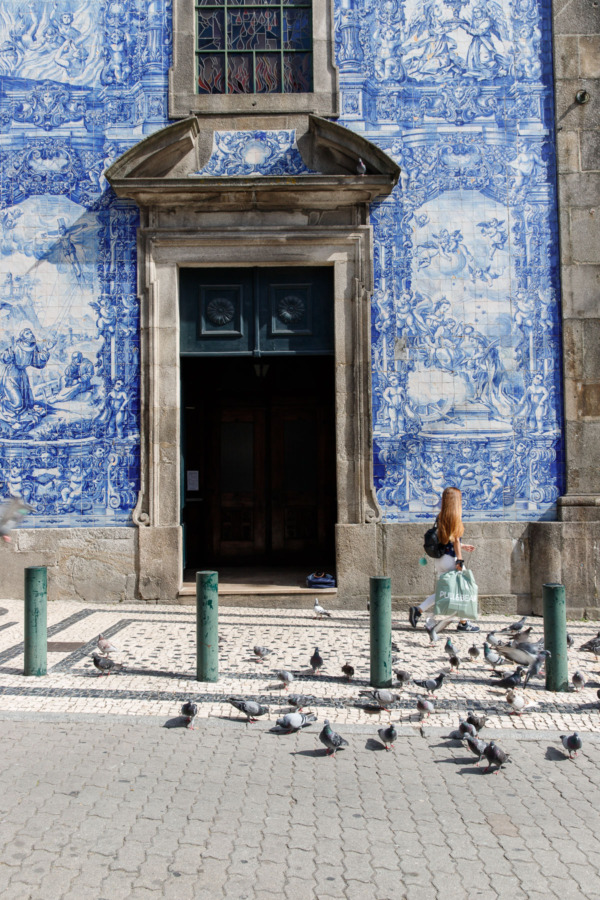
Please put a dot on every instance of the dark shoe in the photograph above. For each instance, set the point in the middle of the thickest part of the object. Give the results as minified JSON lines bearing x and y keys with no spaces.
{"x":414,"y":614}
{"x":467,"y":626}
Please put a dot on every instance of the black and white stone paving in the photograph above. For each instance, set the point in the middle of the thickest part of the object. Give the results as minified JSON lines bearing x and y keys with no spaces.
{"x":156,"y":645}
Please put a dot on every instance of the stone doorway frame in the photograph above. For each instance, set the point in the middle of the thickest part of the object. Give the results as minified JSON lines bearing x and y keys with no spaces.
{"x":163,"y":253}
{"x":316,"y":219}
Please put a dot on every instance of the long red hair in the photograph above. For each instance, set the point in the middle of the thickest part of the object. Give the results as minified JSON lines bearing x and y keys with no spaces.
{"x":449,"y":524}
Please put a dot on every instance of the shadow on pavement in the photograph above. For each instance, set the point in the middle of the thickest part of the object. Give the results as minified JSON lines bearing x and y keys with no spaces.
{"x":177,"y":722}
{"x":556,"y":755}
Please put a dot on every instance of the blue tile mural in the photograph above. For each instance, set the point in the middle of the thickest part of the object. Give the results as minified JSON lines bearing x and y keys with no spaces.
{"x":255,"y":153}
{"x":466,"y":334}
{"x":466,"y":317}
{"x":79,"y":84}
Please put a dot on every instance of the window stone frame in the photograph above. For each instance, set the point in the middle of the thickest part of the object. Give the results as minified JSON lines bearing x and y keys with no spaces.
{"x":183,"y":99}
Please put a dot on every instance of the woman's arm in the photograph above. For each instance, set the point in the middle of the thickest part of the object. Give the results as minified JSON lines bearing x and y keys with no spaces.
{"x":458,"y":549}
{"x":458,"y":553}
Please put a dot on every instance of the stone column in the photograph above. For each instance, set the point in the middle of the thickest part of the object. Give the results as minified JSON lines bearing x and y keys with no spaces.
{"x":577,"y":86}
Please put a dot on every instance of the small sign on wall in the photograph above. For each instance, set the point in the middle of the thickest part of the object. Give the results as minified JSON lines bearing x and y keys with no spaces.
{"x":193,"y":480}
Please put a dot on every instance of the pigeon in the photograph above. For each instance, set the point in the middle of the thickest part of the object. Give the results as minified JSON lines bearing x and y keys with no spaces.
{"x":492,"y":658}
{"x":316,"y":661}
{"x":536,"y":666}
{"x":361,"y":169}
{"x":511,"y":681}
{"x":425,"y":707}
{"x":319,"y":611}
{"x":523,"y":655}
{"x":593,"y":645}
{"x":449,"y":647}
{"x":492,"y":640}
{"x":578,"y":680}
{"x":250,"y":708}
{"x":431,"y":684}
{"x":516,"y":700}
{"x":285,"y":677}
{"x":572,"y":743}
{"x":105,"y":646}
{"x":570,"y":640}
{"x":348,"y":671}
{"x":402,"y":676}
{"x":331,"y":739}
{"x":495,"y":756}
{"x":434,"y":628}
{"x":292,"y":722}
{"x":476,"y":746}
{"x":477,"y":721}
{"x":466,"y":727}
{"x":189,"y":711}
{"x":381,"y":697}
{"x":515,"y":626}
{"x":522,"y":636}
{"x":474,"y":652}
{"x":454,"y":663}
{"x":299,"y":701}
{"x":261,"y":652}
{"x":105,"y":665}
{"x":387,"y":736}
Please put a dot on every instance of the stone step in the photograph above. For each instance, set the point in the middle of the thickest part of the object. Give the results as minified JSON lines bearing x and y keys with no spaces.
{"x":303,"y":598}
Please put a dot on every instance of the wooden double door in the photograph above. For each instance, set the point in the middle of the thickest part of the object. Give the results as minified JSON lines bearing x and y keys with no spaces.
{"x":259,"y":460}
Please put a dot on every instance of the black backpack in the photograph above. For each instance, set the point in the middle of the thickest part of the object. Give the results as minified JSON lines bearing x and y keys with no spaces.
{"x":431,"y":544}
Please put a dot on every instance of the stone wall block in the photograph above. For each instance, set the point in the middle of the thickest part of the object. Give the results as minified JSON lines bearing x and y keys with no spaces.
{"x":589,"y":52}
{"x":566,"y":56}
{"x":590,"y":150}
{"x":159,"y":573}
{"x":585,"y":235}
{"x":546,"y":559}
{"x":568,"y":152}
{"x":358,"y":559}
{"x":581,"y":291}
{"x":574,"y":17}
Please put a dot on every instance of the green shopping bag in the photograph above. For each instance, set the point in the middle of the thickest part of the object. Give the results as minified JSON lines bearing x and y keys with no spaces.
{"x":456,"y":593}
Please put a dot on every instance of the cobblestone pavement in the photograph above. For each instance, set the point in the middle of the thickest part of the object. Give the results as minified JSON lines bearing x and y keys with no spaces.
{"x":157,"y":646}
{"x":116,"y":808}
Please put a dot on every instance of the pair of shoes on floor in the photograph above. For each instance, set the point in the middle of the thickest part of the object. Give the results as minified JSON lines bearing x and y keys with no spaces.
{"x":414,"y":614}
{"x":467,"y":626}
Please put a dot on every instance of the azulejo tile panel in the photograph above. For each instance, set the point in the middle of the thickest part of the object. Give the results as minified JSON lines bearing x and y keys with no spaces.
{"x":466,"y":317}
{"x":79,"y":84}
{"x":255,"y":153}
{"x":466,"y":329}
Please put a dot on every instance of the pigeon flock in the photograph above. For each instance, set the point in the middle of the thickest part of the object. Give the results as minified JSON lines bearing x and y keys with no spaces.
{"x":514,"y":644}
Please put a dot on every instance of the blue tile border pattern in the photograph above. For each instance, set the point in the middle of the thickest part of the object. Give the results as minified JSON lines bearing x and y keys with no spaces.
{"x":255,"y":153}
{"x":466,"y":339}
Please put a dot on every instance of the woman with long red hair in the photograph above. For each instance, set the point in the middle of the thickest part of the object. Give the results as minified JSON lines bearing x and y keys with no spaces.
{"x":450,"y":530}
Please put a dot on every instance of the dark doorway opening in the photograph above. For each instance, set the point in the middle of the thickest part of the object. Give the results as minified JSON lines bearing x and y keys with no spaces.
{"x":258,"y":467}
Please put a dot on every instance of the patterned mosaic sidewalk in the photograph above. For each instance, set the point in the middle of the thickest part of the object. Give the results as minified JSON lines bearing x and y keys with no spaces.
{"x":157,"y":646}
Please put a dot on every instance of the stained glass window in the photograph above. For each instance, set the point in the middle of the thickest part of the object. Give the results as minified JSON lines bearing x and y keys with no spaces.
{"x":254,"y":47}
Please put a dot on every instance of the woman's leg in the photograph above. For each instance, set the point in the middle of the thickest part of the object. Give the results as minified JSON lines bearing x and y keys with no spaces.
{"x":427,"y":604}
{"x":442,"y":565}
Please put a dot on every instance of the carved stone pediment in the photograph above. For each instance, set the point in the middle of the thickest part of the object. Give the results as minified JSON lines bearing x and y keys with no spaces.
{"x":172,"y":167}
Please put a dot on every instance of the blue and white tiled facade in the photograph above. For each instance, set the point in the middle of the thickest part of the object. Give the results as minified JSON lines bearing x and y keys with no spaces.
{"x":465,"y":327}
{"x":80,"y":83}
{"x":466,"y":339}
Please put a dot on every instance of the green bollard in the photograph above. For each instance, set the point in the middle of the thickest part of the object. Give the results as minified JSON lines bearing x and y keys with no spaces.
{"x":555,"y":637}
{"x":381,"y":630}
{"x":36,"y":621}
{"x":207,"y":626}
